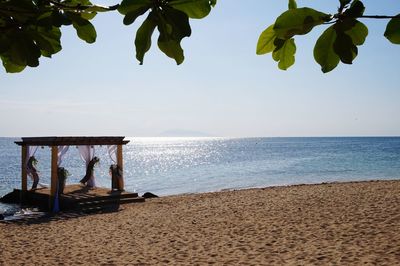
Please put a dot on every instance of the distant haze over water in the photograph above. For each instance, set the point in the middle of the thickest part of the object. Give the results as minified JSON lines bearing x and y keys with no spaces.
{"x":184,"y":133}
{"x":168,"y":166}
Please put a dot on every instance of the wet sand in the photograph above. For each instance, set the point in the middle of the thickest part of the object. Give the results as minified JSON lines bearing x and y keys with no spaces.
{"x":327,"y":224}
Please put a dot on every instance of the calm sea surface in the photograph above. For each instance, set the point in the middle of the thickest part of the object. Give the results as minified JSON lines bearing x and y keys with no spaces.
{"x":168,"y":166}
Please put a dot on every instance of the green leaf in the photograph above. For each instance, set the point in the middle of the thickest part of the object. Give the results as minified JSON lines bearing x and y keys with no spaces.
{"x":73,"y":3}
{"x":143,"y":37}
{"x":278,"y":43}
{"x":323,"y":50}
{"x":10,"y":67}
{"x":171,"y":48}
{"x":83,"y":27}
{"x":22,"y":50}
{"x":48,"y":40}
{"x":356,"y":9}
{"x":128,"y":6}
{"x":60,"y":19}
{"x":392,"y":32}
{"x":345,"y":48}
{"x":285,"y":54}
{"x":178,"y":23}
{"x":45,"y":19}
{"x":358,"y":33}
{"x":193,"y":8}
{"x":349,"y":32}
{"x":88,"y":15}
{"x":173,"y":26}
{"x":132,"y":9}
{"x":345,"y":24}
{"x":266,"y":40}
{"x":298,"y":21}
{"x":338,"y":43}
{"x":5,"y":43}
{"x":130,"y":17}
{"x":292,"y":4}
{"x":85,"y":30}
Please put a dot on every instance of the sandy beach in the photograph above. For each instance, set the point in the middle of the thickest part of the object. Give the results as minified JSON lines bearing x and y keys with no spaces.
{"x":327,"y":224}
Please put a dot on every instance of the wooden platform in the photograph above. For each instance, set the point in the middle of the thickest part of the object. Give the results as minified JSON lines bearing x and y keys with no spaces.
{"x":75,"y":197}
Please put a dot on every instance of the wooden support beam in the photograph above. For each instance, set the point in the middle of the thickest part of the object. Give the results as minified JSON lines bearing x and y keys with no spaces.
{"x":120,"y":162}
{"x":24,"y":179}
{"x":54,"y":177}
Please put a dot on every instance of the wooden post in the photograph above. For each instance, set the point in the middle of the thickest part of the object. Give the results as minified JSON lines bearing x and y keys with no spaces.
{"x":24,"y":179}
{"x":54,"y":178}
{"x":120,"y":163}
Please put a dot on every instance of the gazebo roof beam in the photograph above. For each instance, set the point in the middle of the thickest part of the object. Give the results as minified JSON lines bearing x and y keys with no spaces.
{"x":72,"y":141}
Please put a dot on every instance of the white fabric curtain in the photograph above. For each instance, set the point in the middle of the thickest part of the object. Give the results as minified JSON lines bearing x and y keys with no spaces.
{"x":31,"y":150}
{"x":87,"y":154}
{"x":112,"y":151}
{"x":62,"y":150}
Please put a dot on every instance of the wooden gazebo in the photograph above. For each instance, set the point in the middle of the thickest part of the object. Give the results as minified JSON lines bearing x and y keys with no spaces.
{"x":54,"y":143}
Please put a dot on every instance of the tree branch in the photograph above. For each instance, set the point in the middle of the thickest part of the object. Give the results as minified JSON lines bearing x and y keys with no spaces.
{"x":379,"y":17}
{"x":82,"y":7}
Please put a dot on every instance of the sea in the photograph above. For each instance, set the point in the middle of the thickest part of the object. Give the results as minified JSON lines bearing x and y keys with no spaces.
{"x":169,"y":166}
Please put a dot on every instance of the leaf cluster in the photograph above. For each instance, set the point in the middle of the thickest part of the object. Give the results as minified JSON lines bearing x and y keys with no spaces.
{"x":338,"y":43}
{"x":30,"y":29}
{"x":279,"y":37}
{"x":170,"y":17}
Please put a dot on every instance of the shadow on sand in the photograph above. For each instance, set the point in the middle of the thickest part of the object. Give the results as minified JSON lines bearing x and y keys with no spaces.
{"x":46,"y":217}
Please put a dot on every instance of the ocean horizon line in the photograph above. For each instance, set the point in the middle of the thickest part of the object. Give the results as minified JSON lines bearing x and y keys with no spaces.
{"x":209,"y":137}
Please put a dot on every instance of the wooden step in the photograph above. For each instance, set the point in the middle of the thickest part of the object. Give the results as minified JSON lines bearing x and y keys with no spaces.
{"x":85,"y":197}
{"x":104,"y":205}
{"x":100,"y":202}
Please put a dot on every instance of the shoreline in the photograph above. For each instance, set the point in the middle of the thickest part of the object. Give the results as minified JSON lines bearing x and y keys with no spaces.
{"x":15,"y":208}
{"x":260,"y":187}
{"x":279,"y":186}
{"x":346,"y":223}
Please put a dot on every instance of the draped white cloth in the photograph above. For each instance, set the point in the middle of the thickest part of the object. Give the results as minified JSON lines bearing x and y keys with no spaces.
{"x":87,"y":154}
{"x":112,"y":151}
{"x":31,"y":150}
{"x":62,"y":150}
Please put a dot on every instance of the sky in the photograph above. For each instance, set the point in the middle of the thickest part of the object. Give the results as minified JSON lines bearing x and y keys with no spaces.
{"x":222,"y":89}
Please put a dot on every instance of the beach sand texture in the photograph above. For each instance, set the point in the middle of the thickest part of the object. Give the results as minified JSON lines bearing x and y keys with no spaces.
{"x":328,"y":224}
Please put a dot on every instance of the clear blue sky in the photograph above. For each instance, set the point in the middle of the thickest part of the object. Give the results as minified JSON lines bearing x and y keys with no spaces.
{"x":223,"y":88}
